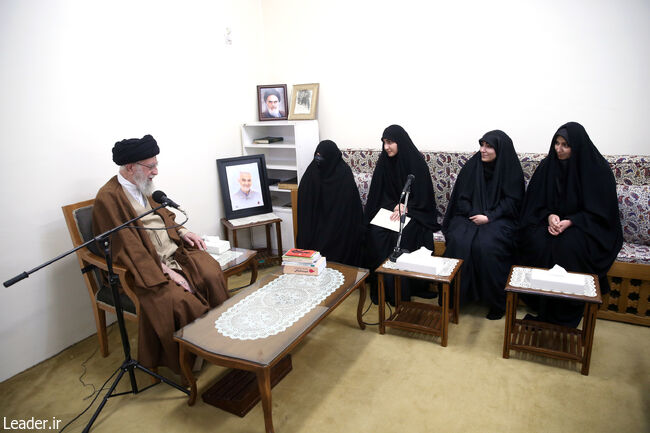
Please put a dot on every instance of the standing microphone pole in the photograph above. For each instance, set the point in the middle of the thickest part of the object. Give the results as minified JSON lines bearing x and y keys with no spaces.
{"x":402,"y":217}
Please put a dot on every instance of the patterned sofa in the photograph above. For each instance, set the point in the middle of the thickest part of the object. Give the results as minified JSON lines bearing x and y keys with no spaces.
{"x":629,"y":276}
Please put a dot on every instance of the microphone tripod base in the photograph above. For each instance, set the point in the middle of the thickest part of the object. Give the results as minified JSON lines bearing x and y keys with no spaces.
{"x":395,"y":254}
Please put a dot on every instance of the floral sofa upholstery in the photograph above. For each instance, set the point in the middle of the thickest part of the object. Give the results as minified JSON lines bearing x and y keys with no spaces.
{"x":630,"y":275}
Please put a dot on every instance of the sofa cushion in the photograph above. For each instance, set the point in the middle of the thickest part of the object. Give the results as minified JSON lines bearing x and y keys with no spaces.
{"x":634,"y":253}
{"x":634,"y":208}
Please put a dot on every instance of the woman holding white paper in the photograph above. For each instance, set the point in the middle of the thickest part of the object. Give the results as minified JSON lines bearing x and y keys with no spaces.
{"x":570,"y":217}
{"x":481,"y":219}
{"x":399,"y":158}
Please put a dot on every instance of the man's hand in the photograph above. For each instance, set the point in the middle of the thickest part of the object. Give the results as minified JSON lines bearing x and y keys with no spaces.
{"x":479,"y":219}
{"x":176,"y":277}
{"x":192,"y":239}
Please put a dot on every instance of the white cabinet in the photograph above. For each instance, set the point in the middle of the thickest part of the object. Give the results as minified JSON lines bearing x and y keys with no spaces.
{"x":286,"y":161}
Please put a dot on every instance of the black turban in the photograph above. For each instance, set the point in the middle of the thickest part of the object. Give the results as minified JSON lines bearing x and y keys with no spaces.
{"x":134,"y":150}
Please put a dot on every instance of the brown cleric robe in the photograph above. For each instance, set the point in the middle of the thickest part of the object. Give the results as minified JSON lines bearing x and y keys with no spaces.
{"x":164,"y":306}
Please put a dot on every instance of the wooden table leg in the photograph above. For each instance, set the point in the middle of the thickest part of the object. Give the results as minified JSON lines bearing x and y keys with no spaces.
{"x":278,"y":232}
{"x":234,"y":238}
{"x":445,"y":315}
{"x":264,"y":384}
{"x":187,"y":372}
{"x":588,"y":328}
{"x":253,"y":269}
{"x":269,"y":249}
{"x":398,"y":291}
{"x":362,"y":301}
{"x":456,"y":309}
{"x":382,"y":303}
{"x":511,"y":314}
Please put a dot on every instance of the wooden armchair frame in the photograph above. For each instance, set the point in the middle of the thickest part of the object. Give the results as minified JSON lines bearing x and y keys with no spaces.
{"x":89,"y":262}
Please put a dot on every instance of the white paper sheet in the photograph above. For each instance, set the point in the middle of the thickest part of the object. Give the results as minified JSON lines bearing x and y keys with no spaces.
{"x":382,"y":219}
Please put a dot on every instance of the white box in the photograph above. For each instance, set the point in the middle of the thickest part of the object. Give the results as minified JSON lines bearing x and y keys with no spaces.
{"x":419,"y":261}
{"x":557,"y":279}
{"x":215,"y":245}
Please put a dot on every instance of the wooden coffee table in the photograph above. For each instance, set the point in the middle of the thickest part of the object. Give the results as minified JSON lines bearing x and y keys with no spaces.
{"x":261,"y":355}
{"x":418,"y":316}
{"x":554,"y":341}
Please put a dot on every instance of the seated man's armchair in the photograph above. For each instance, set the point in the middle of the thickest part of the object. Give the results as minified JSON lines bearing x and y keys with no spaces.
{"x":78,"y":217}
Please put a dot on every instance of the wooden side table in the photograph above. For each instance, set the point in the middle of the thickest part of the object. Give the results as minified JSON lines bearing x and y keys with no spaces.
{"x":245,"y":260}
{"x":418,"y":316}
{"x":228,"y":227}
{"x":554,"y":341}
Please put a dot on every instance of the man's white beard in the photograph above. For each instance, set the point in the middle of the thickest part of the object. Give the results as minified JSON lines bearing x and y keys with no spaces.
{"x":143,"y":183}
{"x":274,"y":113}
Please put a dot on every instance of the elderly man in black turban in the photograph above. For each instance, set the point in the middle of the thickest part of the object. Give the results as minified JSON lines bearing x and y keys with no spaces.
{"x":175,"y":279}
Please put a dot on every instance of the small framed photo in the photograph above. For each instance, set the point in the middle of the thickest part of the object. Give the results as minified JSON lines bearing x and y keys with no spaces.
{"x":304,"y":99}
{"x":272,"y":102}
{"x":244,"y":186}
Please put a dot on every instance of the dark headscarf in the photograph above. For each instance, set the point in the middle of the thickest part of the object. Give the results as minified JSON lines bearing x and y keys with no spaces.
{"x":390,"y":176}
{"x":587,"y":197}
{"x":485,"y":185}
{"x":330,"y":216}
{"x":134,"y":150}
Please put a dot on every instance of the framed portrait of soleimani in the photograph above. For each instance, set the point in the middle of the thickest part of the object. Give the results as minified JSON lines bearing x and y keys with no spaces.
{"x":244,"y":186}
{"x":304,"y":100}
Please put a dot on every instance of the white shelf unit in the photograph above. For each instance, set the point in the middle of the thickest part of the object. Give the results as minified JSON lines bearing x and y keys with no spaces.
{"x":284,"y":160}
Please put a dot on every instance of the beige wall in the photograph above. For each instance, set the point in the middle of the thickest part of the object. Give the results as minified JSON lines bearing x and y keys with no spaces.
{"x":448,"y":71}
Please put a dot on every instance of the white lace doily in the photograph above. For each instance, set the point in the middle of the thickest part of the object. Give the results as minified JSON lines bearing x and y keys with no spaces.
{"x":226,"y":256}
{"x":521,"y":278}
{"x":448,"y":266}
{"x":278,"y":305}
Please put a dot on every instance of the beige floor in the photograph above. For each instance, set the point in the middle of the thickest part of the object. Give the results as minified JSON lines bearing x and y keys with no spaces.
{"x":348,"y":380}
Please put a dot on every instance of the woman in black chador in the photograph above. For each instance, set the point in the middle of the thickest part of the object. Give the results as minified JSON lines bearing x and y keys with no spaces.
{"x":399,"y":158}
{"x":330,"y":216}
{"x":480,"y":223}
{"x":570,"y":218}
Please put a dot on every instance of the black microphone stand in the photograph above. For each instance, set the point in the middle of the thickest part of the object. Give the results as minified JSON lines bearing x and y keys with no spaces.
{"x":402,"y":217}
{"x":129,"y":364}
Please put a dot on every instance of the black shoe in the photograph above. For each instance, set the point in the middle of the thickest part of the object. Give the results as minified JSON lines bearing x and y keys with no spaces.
{"x":529,"y":317}
{"x":495,"y":313}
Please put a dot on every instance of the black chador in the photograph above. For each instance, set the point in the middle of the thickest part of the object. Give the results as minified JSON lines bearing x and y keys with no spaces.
{"x":330,"y":215}
{"x":388,"y":180}
{"x":580,"y":189}
{"x":481,"y":219}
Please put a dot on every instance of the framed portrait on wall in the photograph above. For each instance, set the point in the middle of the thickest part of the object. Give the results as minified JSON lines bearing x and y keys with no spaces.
{"x":304,"y":99}
{"x":244,"y":186}
{"x":272,"y":102}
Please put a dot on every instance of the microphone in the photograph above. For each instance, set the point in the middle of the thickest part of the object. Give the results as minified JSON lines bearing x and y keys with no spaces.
{"x":407,"y":185}
{"x":161,"y":197}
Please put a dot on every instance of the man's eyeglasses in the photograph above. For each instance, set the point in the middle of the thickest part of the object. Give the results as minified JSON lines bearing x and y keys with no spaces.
{"x":149,"y":166}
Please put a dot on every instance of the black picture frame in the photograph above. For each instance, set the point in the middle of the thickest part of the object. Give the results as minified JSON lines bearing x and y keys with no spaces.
{"x":280,"y":92}
{"x":232,"y":172}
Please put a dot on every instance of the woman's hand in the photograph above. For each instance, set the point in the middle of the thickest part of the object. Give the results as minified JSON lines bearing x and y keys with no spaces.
{"x":479,"y":219}
{"x":557,"y":226}
{"x":176,"y":277}
{"x":396,"y":211}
